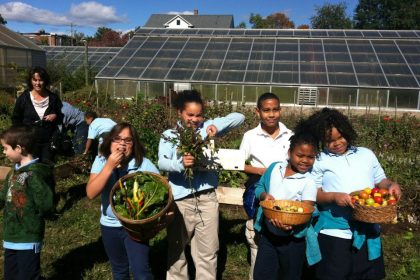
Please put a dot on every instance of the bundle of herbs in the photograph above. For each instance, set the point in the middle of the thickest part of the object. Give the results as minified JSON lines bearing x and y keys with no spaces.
{"x":189,"y":141}
{"x":140,"y":196}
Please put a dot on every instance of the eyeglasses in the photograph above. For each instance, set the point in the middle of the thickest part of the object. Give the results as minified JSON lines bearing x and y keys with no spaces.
{"x":127,"y":140}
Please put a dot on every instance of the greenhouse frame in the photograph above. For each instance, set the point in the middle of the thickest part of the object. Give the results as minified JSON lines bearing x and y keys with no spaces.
{"x":306,"y":67}
{"x":17,"y":52}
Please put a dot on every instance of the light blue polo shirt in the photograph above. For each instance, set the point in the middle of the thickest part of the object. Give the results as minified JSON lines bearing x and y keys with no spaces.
{"x":357,"y":169}
{"x":72,"y":115}
{"x":107,"y":216}
{"x":99,"y":126}
{"x":296,"y":187}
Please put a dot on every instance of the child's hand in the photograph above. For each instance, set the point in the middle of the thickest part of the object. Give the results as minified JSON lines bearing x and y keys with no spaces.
{"x":211,"y":130}
{"x":280,"y":225}
{"x":266,"y":196}
{"x":343,"y":199}
{"x":395,"y":190}
{"x":115,"y":158}
{"x":188,"y":160}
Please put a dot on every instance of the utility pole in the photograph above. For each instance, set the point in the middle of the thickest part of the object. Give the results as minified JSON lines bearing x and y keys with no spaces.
{"x":86,"y":64}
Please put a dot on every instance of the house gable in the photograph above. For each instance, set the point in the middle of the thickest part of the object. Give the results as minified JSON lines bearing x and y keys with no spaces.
{"x":178,"y":22}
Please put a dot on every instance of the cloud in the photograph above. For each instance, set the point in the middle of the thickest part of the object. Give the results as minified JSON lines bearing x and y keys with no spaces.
{"x":90,"y":14}
{"x":181,"y":13}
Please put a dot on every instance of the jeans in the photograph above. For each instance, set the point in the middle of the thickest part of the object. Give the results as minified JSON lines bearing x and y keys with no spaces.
{"x":80,"y":138}
{"x":21,"y":265}
{"x":125,"y":254}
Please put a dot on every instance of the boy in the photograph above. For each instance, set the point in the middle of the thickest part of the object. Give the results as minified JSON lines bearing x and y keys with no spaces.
{"x":74,"y":121}
{"x":263,"y":145}
{"x":27,"y":197}
{"x":98,"y":128}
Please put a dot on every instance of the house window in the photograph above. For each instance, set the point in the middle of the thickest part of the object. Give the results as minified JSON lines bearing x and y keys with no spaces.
{"x":178,"y":22}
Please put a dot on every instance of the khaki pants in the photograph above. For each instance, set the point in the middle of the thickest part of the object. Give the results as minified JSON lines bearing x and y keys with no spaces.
{"x":252,"y":237}
{"x":200,"y":229}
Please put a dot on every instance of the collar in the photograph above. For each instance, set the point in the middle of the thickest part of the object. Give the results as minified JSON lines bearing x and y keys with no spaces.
{"x":282,"y":127}
{"x":17,"y":166}
{"x":350,"y":150}
{"x":282,"y":169}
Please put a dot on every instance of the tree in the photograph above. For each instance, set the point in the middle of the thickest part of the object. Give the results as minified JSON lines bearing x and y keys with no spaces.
{"x":303,"y":26}
{"x":387,"y":14}
{"x":100,"y":32}
{"x":241,"y":25}
{"x":106,"y":37}
{"x":276,"y":20}
{"x":2,"y":20}
{"x":331,"y":16}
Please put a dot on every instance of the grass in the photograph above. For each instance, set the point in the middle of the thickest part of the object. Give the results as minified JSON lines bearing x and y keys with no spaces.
{"x":73,"y":247}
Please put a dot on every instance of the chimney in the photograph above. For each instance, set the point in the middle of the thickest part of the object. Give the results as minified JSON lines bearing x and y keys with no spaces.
{"x":196,"y":12}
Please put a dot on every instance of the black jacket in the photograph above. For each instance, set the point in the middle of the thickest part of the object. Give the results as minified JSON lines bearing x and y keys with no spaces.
{"x":24,"y":113}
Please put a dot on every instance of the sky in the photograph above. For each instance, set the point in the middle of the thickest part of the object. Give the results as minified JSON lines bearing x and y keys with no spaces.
{"x":63,"y":16}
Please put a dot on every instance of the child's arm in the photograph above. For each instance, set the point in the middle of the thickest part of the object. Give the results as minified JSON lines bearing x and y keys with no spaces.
{"x":42,"y":193}
{"x":254,"y":170}
{"x":167,"y":161}
{"x":224,"y":124}
{"x":246,"y":147}
{"x":393,"y":187}
{"x":341,"y":199}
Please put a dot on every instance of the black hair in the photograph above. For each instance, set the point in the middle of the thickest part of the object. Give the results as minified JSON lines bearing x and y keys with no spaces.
{"x":43,"y":74}
{"x":266,"y":96}
{"x":22,"y":135}
{"x":138,"y":149}
{"x":321,"y":123}
{"x":302,"y":138}
{"x":187,"y":96}
{"x":91,"y":114}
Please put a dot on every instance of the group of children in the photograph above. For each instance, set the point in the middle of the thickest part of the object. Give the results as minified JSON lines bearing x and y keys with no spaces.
{"x":283,"y":164}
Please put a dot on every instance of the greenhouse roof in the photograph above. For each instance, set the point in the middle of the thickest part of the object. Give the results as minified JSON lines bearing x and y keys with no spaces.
{"x":11,"y":39}
{"x":73,"y":57}
{"x":338,"y":58}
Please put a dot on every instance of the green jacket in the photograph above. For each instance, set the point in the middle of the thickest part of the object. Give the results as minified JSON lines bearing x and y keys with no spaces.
{"x":27,"y":197}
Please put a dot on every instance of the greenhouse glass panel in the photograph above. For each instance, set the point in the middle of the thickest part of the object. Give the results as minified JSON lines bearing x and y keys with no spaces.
{"x":258,"y":77}
{"x":407,"y":34}
{"x":265,"y":32}
{"x":251,"y":93}
{"x":229,"y":93}
{"x":210,"y":64}
{"x":154,"y":73}
{"x":263,"y":45}
{"x":240,"y":45}
{"x":237,"y":32}
{"x":144,"y":53}
{"x":340,"y":68}
{"x":353,"y":33}
{"x":196,"y":44}
{"x":359,"y":46}
{"x":313,"y":78}
{"x":158,"y":31}
{"x":189,"y":31}
{"x":396,"y":69}
{"x":117,"y":61}
{"x":109,"y":71}
{"x":286,"y":45}
{"x":402,"y":81}
{"x":342,"y":79}
{"x":313,"y":56}
{"x":388,"y":34}
{"x":185,"y":63}
{"x":205,"y":31}
{"x":322,"y":97}
{"x":268,"y":56}
{"x":237,"y":55}
{"x":286,"y":67}
{"x":252,"y":32}
{"x":124,"y":89}
{"x":287,"y":95}
{"x":319,"y":33}
{"x":385,"y":47}
{"x":403,"y":99}
{"x":132,"y":73}
{"x":391,"y":58}
{"x":207,"y":91}
{"x":337,"y":57}
{"x":371,"y":34}
{"x":179,"y":74}
{"x":161,"y":63}
{"x":409,"y":47}
{"x":335,"y":46}
{"x":313,"y":45}
{"x":190,"y":54}
{"x":234,"y":65}
{"x":336,"y":33}
{"x":312,"y":67}
{"x":214,"y":55}
{"x":137,"y":62}
{"x":231,"y":76}
{"x":205,"y":75}
{"x":220,"y":32}
{"x":342,"y":96}
{"x":153,"y":90}
{"x":372,"y":97}
{"x":167,"y":54}
{"x":285,"y":33}
{"x":301,"y":33}
{"x":154,"y":43}
{"x":287,"y":56}
{"x":260,"y":65}
{"x":371,"y":80}
{"x":364,"y":58}
{"x":413,"y":58}
{"x":174,"y":31}
{"x":285,"y":77}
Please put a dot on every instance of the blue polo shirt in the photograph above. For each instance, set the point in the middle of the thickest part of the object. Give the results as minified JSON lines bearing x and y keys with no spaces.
{"x":354,"y":170}
{"x":72,"y":115}
{"x":100,"y":126}
{"x":107,"y":216}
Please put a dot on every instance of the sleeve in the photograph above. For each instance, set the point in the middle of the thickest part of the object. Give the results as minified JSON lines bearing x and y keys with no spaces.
{"x":98,"y":164}
{"x":57,"y":110}
{"x":377,"y":170}
{"x":317,"y":174}
{"x":245,"y":146}
{"x":91,"y":131}
{"x":41,"y":193}
{"x":4,"y":189}
{"x":17,"y":115}
{"x":147,"y":165}
{"x":225,"y":124}
{"x":261,"y":186}
{"x":167,"y":161}
{"x":309,"y":190}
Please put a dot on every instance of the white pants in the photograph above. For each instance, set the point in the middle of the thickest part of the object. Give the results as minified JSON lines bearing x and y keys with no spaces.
{"x":252,"y":237}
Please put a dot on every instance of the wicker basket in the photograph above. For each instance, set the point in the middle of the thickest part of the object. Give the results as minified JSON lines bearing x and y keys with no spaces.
{"x":287,"y":218}
{"x":145,"y":229}
{"x":377,"y":215}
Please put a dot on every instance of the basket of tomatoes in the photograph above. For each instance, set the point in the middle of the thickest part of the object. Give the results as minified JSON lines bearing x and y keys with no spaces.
{"x":374,"y":206}
{"x":288,"y":212}
{"x":143,"y":203}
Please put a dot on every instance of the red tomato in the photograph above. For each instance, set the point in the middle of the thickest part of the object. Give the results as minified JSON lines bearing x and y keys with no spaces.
{"x":383,"y":192}
{"x":378,"y":199}
{"x":363,"y":195}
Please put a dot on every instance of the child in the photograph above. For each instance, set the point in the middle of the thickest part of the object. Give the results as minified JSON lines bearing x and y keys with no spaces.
{"x":341,"y":169}
{"x":74,"y":121}
{"x":98,"y":129}
{"x":279,"y":248}
{"x":121,"y":153}
{"x":27,"y":197}
{"x":263,"y":145}
{"x":197,"y":209}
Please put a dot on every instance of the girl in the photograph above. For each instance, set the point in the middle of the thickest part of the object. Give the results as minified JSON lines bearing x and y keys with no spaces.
{"x":39,"y":107}
{"x":279,"y":249}
{"x":341,"y":169}
{"x":121,"y":153}
{"x":197,"y":209}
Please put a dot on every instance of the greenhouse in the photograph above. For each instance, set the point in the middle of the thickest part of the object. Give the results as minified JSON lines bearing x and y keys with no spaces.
{"x":306,"y":67}
{"x":74,"y":57}
{"x":16,"y":53}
